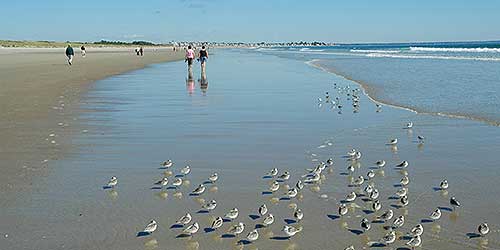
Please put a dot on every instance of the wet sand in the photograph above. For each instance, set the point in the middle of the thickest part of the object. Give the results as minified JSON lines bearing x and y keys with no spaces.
{"x":37,"y":97}
{"x":241,"y":124}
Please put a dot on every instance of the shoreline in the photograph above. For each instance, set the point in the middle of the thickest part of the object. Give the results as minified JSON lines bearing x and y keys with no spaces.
{"x":369,"y":92}
{"x":40,"y":100}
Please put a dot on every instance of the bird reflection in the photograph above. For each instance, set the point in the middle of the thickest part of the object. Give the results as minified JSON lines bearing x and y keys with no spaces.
{"x":113,"y":194}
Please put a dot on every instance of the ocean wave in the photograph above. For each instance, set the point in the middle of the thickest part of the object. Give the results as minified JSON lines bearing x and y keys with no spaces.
{"x":373,"y":51}
{"x":314,"y":50}
{"x":266,"y":49}
{"x":495,"y":59}
{"x":474,"y":50}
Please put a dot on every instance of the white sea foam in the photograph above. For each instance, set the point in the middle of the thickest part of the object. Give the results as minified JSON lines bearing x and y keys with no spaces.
{"x":374,"y":51}
{"x":314,"y":50}
{"x":474,"y":50}
{"x":496,"y":59}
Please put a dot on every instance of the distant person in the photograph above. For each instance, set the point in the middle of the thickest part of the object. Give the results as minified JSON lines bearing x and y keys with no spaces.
{"x":203,"y":57}
{"x":141,"y":51}
{"x":70,"y":53}
{"x":83,"y":51}
{"x":189,"y":57}
{"x":137,"y":50}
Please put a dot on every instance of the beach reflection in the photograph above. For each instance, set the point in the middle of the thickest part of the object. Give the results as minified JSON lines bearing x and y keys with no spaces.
{"x":190,"y":81}
{"x":203,"y":82}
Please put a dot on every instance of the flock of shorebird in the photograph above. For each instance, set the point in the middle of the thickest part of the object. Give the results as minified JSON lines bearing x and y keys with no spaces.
{"x":362,"y":186}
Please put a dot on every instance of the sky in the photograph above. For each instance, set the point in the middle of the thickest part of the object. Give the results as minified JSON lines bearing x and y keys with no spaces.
{"x":346,"y":21}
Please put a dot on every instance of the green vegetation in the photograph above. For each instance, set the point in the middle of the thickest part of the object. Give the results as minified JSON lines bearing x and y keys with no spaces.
{"x":54,"y":44}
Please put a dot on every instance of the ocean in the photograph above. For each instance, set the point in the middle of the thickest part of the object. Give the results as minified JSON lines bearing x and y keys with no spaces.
{"x":456,"y":79}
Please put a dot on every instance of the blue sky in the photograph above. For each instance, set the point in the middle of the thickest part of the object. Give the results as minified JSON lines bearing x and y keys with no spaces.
{"x":253,"y":20}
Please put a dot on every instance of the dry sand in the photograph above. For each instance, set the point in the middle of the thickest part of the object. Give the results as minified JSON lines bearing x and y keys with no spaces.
{"x":37,"y":91}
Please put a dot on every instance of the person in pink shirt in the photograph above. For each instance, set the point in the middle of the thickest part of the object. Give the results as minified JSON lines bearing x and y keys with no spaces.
{"x":189,"y":56}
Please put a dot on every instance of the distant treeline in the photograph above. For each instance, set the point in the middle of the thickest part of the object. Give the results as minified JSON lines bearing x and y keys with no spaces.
{"x":144,"y":43}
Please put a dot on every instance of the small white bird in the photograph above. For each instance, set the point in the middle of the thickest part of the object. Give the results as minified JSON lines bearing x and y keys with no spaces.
{"x":352,"y":152}
{"x":483,"y":229}
{"x":370,"y":174}
{"x":454,"y":202}
{"x":329,"y":162}
{"x":365,"y":224}
{"x":349,"y":248}
{"x":112,"y":182}
{"x":343,"y":210}
{"x":192,"y":229}
{"x":299,"y":185}
{"x":421,"y":138}
{"x":211,"y":205}
{"x":292,"y":193}
{"x":350,"y":169}
{"x":213,"y":178}
{"x":177,"y":182}
{"x":401,"y":192}
{"x":199,"y":190}
{"x":298,"y":214}
{"x":285,"y":176}
{"x":405,"y":180}
{"x":268,"y":220}
{"x":232,"y":214}
{"x":163,"y":182}
{"x":398,"y":222}
{"x":314,"y":178}
{"x":368,"y":189}
{"x":414,"y":242}
{"x":273,"y":172}
{"x":376,"y":205}
{"x":350,"y":197}
{"x":409,"y":125}
{"x":393,"y":141}
{"x":374,"y":194}
{"x":404,"y":201}
{"x":186,"y":170}
{"x":359,"y":181}
{"x":217,"y":223}
{"x":184,"y":220}
{"x":263,"y":210}
{"x":389,"y":238}
{"x":167,"y":164}
{"x":291,"y":231}
{"x":403,"y":164}
{"x":418,"y":230}
{"x":380,"y":163}
{"x":444,"y":184}
{"x":387,"y":215}
{"x":253,"y":235}
{"x":274,"y":186}
{"x":436,"y":214}
{"x":237,"y":229}
{"x":151,"y":227}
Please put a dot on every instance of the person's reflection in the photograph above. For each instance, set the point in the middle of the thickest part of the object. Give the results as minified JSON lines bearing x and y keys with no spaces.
{"x":190,"y":81}
{"x":203,"y":82}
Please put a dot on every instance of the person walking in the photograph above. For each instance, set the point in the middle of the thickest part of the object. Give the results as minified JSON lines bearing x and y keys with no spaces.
{"x":203,"y":57}
{"x":141,"y":51}
{"x":189,"y":57}
{"x":84,"y":53}
{"x":70,"y":53}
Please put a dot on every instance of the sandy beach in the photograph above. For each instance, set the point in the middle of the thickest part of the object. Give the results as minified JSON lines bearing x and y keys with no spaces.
{"x":37,"y":97}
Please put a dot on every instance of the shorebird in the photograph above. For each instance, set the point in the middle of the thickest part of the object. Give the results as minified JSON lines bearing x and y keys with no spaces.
{"x":374,"y":194}
{"x":329,"y":162}
{"x":380,"y":163}
{"x":409,"y":125}
{"x":365,"y":224}
{"x":167,"y":164}
{"x":314,"y":178}
{"x":184,"y":220}
{"x":483,"y":229}
{"x":352,"y":152}
{"x":368,"y":189}
{"x":163,"y":182}
{"x":357,"y":155}
{"x":370,"y":174}
{"x":211,"y":205}
{"x":274,"y":186}
{"x":292,"y":192}
{"x":268,"y":220}
{"x":151,"y":227}
{"x":299,"y":185}
{"x":421,"y":138}
{"x":273,"y":172}
{"x":403,"y":164}
{"x":199,"y":190}
{"x":404,"y":201}
{"x":263,"y":210}
{"x":298,"y":214}
{"x":389,"y":238}
{"x":444,"y":184}
{"x":398,"y":222}
{"x":349,"y":248}
{"x":253,"y":235}
{"x":213,"y":178}
{"x":414,"y":242}
{"x":291,"y":231}
{"x":192,"y":229}
{"x":405,"y":180}
{"x":285,"y":176}
{"x":112,"y":182}
{"x":343,"y":210}
{"x":436,"y":214}
{"x":217,"y":223}
{"x":232,"y":214}
{"x":376,"y":205}
{"x":350,"y":197}
{"x":454,"y":202}
{"x":387,"y":215}
{"x":359,"y":181}
{"x":186,"y":170}
{"x":393,"y":141}
{"x":351,"y":169}
{"x":237,"y":229}
{"x":418,"y":230}
{"x":177,"y":182}
{"x":401,"y":192}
